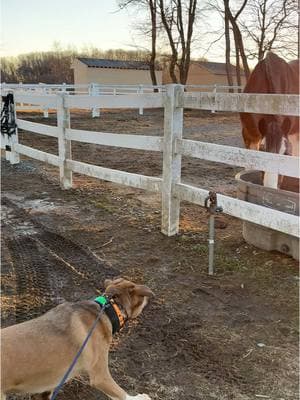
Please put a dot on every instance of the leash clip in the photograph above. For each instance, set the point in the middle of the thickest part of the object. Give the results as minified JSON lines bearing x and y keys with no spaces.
{"x":211,"y":203}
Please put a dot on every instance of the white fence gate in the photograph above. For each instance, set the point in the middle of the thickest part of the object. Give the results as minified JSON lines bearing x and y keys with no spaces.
{"x":173,"y":99}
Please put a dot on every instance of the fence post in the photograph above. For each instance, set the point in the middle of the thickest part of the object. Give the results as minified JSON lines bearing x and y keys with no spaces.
{"x":64,"y":145}
{"x":173,"y":123}
{"x":93,"y":92}
{"x":215,"y":92}
{"x":141,"y":90}
{"x":9,"y":141}
{"x":46,"y":111}
{"x":20,"y":86}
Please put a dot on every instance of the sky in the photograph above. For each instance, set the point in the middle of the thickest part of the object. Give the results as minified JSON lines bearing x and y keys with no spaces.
{"x":35,"y":25}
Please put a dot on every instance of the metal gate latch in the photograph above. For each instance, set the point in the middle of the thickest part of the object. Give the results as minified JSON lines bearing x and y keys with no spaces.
{"x":211,"y":204}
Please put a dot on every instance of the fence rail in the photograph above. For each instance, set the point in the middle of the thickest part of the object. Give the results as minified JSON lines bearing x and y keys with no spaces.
{"x":37,"y":154}
{"x":279,"y":104}
{"x":257,"y":214}
{"x":149,"y":183}
{"x":146,"y":100}
{"x":96,"y":89}
{"x":34,"y":127}
{"x":250,"y":159}
{"x":173,"y":191}
{"x":116,"y":140}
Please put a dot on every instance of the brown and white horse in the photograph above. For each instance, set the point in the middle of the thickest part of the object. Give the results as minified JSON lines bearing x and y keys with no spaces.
{"x":273,"y":133}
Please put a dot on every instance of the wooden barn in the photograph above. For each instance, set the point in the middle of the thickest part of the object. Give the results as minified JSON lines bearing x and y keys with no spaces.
{"x":206,"y":73}
{"x":116,"y":72}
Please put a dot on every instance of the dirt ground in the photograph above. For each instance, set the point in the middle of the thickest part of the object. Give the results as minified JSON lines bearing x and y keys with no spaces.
{"x":230,"y":336}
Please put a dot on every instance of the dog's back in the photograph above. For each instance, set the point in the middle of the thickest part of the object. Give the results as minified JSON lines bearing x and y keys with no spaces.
{"x":37,"y":353}
{"x":26,"y":347}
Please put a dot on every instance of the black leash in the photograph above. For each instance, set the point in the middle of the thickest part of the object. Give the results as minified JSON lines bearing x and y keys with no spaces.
{"x":8,"y":121}
{"x":69,"y":370}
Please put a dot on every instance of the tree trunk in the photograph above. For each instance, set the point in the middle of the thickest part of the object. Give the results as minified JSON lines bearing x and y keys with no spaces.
{"x":227,"y":45}
{"x":237,"y":65}
{"x":152,"y":5}
{"x":168,"y":29}
{"x":239,"y":42}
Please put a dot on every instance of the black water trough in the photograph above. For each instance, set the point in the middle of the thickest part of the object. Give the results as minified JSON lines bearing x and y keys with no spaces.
{"x":251,"y":189}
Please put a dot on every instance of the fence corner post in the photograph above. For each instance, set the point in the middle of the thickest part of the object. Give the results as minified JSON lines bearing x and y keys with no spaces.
{"x":11,"y":154}
{"x":173,"y":125}
{"x":64,"y":145}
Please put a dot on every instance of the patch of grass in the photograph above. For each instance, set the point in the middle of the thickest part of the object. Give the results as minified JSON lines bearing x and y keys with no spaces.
{"x":226,"y":263}
{"x":103,"y":204}
{"x":200,"y":248}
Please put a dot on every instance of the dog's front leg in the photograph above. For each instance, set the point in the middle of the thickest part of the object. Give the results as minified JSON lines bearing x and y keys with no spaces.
{"x":103,"y":381}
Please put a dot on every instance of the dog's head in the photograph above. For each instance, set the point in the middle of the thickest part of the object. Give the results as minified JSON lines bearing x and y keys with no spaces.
{"x":129,"y":295}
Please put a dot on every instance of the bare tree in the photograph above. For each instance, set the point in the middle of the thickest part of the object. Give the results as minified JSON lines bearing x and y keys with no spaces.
{"x":270,"y":25}
{"x":174,"y":21}
{"x":227,"y":43}
{"x":153,"y":13}
{"x":232,"y":33}
{"x":238,"y":38}
{"x":178,"y":18}
{"x":151,"y":7}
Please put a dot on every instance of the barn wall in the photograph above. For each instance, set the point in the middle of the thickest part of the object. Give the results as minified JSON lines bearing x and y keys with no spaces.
{"x":112,"y":76}
{"x":200,"y":76}
{"x":80,"y":72}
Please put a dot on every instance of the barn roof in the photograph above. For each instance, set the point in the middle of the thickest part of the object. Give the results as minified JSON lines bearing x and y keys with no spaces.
{"x":118,"y":64}
{"x":217,"y":68}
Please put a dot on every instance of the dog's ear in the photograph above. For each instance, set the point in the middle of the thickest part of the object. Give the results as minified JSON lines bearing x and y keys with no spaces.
{"x":113,"y":291}
{"x":141,"y":290}
{"x":107,"y":282}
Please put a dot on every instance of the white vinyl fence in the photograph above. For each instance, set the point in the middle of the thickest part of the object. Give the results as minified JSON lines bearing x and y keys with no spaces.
{"x":173,"y":99}
{"x":92,"y":89}
{"x":96,"y":89}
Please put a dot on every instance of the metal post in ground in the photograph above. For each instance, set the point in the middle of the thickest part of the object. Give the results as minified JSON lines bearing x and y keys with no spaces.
{"x":212,"y":207}
{"x":211,"y":244}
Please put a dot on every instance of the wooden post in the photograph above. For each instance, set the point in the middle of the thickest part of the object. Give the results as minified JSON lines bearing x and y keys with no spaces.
{"x":173,"y":123}
{"x":64,"y":145}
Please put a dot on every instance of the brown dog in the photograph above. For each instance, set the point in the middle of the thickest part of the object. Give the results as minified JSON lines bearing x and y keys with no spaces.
{"x":37,"y":353}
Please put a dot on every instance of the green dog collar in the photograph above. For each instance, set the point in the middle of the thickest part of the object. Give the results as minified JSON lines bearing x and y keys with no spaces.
{"x":101,"y":300}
